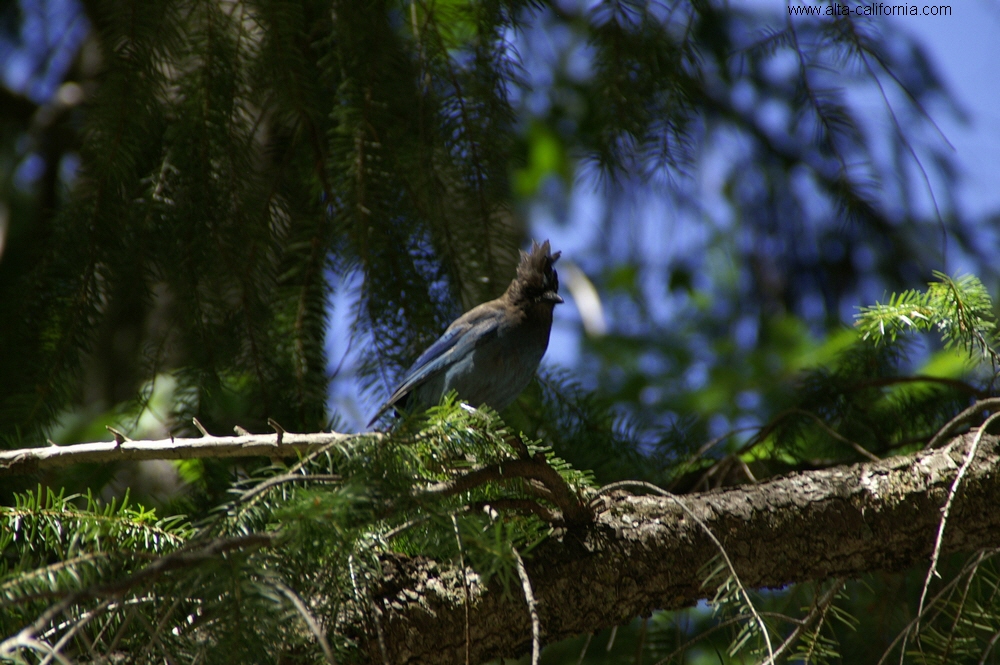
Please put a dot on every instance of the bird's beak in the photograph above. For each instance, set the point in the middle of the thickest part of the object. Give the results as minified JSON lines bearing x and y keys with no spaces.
{"x":553,"y":298}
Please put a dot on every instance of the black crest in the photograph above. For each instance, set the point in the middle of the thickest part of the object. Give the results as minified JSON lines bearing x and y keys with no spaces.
{"x":536,"y":278}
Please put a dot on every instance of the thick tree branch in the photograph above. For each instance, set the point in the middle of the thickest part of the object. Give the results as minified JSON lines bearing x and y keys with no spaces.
{"x":283,"y":444}
{"x":644,"y":553}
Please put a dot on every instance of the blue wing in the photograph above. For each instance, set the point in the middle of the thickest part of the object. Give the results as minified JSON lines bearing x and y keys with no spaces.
{"x":469,"y":331}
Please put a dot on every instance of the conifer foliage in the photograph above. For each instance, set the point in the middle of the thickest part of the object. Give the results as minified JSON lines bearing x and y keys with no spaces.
{"x":234,"y":154}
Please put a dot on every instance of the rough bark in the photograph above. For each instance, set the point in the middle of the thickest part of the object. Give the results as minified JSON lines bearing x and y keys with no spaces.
{"x":645,"y":552}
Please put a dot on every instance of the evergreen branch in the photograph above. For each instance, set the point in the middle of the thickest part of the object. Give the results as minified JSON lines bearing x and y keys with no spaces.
{"x":992,"y":404}
{"x":816,"y":613}
{"x":720,"y":625}
{"x":182,"y":558}
{"x":959,"y":309}
{"x":968,"y":570}
{"x":287,"y":478}
{"x":649,"y":539}
{"x":51,"y":572}
{"x":52,"y":546}
{"x":818,"y":106}
{"x":768,"y":429}
{"x":535,"y":468}
{"x":85,"y":618}
{"x":31,"y":460}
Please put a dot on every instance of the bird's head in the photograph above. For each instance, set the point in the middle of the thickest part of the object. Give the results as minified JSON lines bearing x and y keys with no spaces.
{"x":537,"y":281}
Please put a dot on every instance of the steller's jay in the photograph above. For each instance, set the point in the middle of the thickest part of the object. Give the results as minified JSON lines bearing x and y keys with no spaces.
{"x":489,"y":354}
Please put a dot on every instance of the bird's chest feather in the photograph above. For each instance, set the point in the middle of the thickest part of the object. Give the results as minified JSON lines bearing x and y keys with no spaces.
{"x":499,"y":369}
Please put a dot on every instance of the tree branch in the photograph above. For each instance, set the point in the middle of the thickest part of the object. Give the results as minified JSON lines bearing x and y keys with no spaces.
{"x":644,"y":553}
{"x":283,"y":444}
{"x":533,"y":468}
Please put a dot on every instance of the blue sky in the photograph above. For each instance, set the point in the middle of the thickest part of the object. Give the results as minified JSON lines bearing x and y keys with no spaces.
{"x":966,"y":51}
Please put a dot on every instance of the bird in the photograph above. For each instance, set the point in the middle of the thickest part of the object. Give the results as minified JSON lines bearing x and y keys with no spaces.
{"x":489,"y":354}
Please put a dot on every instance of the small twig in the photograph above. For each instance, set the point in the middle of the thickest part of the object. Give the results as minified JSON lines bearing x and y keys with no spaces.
{"x":712,"y":443}
{"x":78,"y":625}
{"x":583,"y":651}
{"x":992,"y":404}
{"x":650,"y":487}
{"x":120,"y":438}
{"x":309,"y":620}
{"x":746,"y":471}
{"x":529,"y":597}
{"x":265,"y":485}
{"x":537,"y":468}
{"x":921,"y":378}
{"x":376,"y":609}
{"x":970,"y":568}
{"x":160,"y":627}
{"x":26,"y":637}
{"x":611,"y":639}
{"x":277,"y":428}
{"x":762,"y":434}
{"x":818,"y":611}
{"x":705,"y":447}
{"x":932,"y":571}
{"x":18,"y":642}
{"x":989,"y":647}
{"x":465,"y":587}
{"x":604,"y":490}
{"x":241,"y":431}
{"x":770,"y":427}
{"x":857,"y":447}
{"x":201,"y":428}
{"x":156,"y":639}
{"x":408,"y":524}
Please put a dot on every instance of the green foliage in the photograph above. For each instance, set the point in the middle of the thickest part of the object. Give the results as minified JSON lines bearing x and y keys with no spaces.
{"x":961,"y":626}
{"x":53,"y":545}
{"x":959,"y":309}
{"x":255,"y":148}
{"x":793,"y":400}
{"x":319,"y":525}
{"x":237,"y":159}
